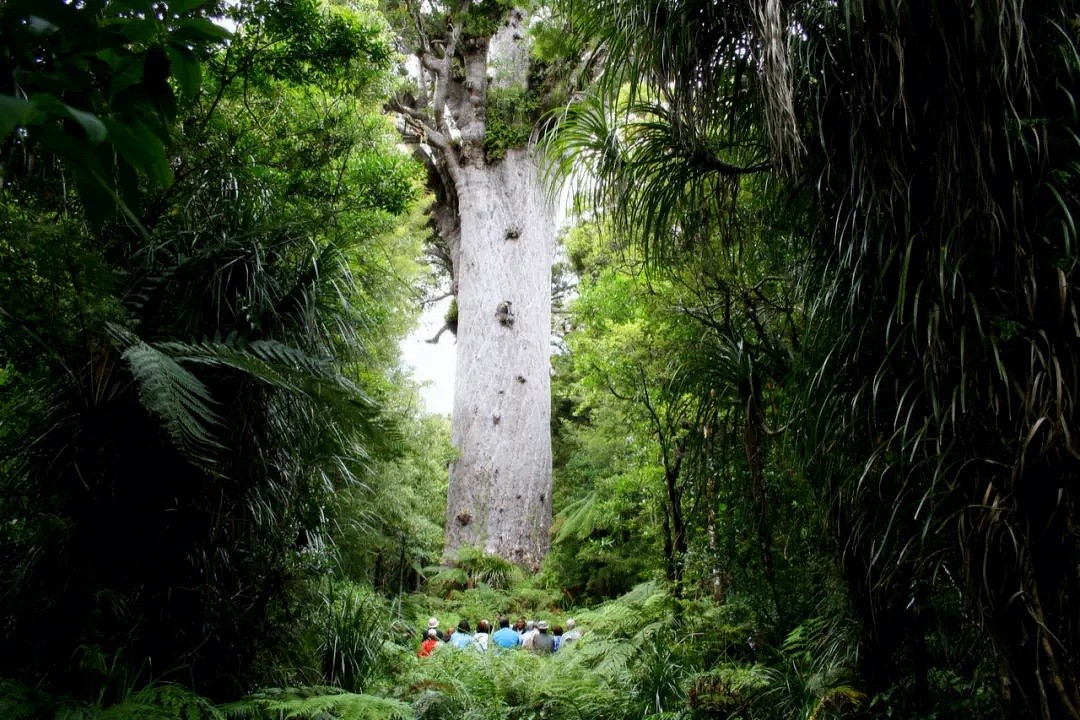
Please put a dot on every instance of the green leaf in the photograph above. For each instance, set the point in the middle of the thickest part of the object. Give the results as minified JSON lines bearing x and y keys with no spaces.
{"x":41,"y":26}
{"x":200,"y":30}
{"x":51,"y":105}
{"x":95,"y":129}
{"x":187,"y":70}
{"x":13,"y":113}
{"x":185,"y":7}
{"x":126,"y":72}
{"x":120,"y":7}
{"x":143,"y":150}
{"x":140,"y":31}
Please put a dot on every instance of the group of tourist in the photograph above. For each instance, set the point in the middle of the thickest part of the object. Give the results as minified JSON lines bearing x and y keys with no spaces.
{"x":535,"y":636}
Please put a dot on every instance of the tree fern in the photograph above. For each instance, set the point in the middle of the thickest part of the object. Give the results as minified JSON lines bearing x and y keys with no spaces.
{"x":290,"y":369}
{"x":18,"y":702}
{"x":210,"y":384}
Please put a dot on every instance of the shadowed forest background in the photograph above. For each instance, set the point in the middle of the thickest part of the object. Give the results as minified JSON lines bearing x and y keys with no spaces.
{"x":813,"y":380}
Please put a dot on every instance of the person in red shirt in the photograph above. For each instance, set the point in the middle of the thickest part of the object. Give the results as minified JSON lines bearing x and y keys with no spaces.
{"x":428,"y":646}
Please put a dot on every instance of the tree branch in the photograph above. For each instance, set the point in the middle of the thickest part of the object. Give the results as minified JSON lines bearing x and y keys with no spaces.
{"x":437,"y":298}
{"x":435,"y":340}
{"x":423,"y":124}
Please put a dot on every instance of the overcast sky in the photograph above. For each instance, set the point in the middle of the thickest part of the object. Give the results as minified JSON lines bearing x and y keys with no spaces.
{"x":433,"y":365}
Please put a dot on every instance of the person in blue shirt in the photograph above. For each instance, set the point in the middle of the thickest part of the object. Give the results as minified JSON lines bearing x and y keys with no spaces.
{"x":462,"y":637}
{"x":505,"y":636}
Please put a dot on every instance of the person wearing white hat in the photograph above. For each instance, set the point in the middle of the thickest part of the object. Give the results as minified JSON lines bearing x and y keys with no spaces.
{"x":433,"y":624}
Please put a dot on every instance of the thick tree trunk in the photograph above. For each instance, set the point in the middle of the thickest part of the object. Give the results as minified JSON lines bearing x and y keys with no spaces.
{"x":500,"y":486}
{"x":499,"y":236}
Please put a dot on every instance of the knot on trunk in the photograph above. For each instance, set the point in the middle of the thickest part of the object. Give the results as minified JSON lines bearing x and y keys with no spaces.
{"x":504,"y":313}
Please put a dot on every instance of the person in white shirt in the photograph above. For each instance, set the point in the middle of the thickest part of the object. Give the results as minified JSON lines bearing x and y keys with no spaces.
{"x":480,"y":638}
{"x":571,"y":634}
{"x":530,"y":634}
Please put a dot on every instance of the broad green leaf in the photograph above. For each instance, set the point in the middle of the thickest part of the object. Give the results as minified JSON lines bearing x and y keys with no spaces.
{"x":51,"y":105}
{"x":140,"y":31}
{"x":127,"y":72}
{"x":13,"y":113}
{"x":143,"y":150}
{"x":187,"y":70}
{"x":41,"y":26}
{"x":95,"y":129}
{"x":185,"y":7}
{"x":200,"y":30}
{"x":120,"y":7}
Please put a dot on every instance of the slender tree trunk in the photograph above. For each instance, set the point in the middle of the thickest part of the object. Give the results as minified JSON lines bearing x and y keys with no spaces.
{"x":719,"y":592}
{"x":678,"y":526}
{"x":752,"y":442}
{"x":500,"y":486}
{"x":669,"y":548}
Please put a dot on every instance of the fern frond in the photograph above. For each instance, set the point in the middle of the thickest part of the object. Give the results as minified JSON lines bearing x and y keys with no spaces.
{"x":176,"y":396}
{"x":311,"y":703}
{"x":580,"y":518}
{"x":489,"y":569}
{"x":163,"y":702}
{"x":446,"y":578}
{"x":18,"y":702}
{"x":289,"y":369}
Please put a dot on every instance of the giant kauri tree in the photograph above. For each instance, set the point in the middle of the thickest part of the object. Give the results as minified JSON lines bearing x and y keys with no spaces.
{"x":471,"y":113}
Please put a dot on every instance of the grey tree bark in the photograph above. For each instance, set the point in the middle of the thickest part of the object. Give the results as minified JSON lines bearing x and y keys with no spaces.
{"x":499,"y":233}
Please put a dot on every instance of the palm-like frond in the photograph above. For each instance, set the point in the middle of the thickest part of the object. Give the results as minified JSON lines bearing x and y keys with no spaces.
{"x":580,"y":518}
{"x":931,"y":394}
{"x":666,"y":131}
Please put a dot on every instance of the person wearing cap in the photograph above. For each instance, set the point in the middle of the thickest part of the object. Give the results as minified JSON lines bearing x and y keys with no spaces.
{"x":571,"y":635}
{"x":433,"y":624}
{"x":431,"y":641}
{"x":505,"y":637}
{"x":543,"y":642}
{"x":462,"y":637}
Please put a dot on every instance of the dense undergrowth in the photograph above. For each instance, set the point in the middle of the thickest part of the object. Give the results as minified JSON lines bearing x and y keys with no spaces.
{"x":643,"y":654}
